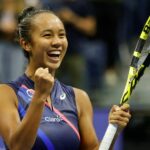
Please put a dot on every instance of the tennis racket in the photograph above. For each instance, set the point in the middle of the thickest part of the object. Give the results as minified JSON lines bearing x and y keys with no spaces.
{"x":138,"y":65}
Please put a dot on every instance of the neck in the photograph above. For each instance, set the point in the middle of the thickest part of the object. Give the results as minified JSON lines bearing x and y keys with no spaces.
{"x":30,"y":72}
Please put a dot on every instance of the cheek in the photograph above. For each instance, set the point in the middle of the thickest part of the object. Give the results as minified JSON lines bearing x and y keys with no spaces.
{"x":40,"y":47}
{"x":65,"y":45}
{"x":38,"y":53}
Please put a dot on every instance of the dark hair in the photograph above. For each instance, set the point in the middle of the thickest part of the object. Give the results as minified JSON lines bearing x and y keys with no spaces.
{"x":25,"y":22}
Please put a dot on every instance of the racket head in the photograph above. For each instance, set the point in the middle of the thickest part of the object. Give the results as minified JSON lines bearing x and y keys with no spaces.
{"x":140,"y":60}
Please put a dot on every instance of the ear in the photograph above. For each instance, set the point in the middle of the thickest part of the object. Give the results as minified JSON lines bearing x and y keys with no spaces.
{"x":25,"y":45}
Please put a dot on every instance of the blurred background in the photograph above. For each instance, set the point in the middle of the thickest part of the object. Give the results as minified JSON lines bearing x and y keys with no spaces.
{"x":102,"y":35}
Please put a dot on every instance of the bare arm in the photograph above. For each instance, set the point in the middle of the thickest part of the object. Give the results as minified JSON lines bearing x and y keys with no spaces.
{"x":118,"y":115}
{"x":14,"y":131}
{"x":22,"y":134}
{"x":89,"y":139}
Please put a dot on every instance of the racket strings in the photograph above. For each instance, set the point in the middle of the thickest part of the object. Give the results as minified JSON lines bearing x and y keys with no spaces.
{"x":138,"y":70}
{"x":144,"y":58}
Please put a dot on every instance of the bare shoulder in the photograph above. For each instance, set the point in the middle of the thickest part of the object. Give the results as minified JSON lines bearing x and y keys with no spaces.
{"x":5,"y":88}
{"x":9,"y":116}
{"x":85,"y":113}
{"x":81,"y":94}
{"x":83,"y":101}
{"x":7,"y":94}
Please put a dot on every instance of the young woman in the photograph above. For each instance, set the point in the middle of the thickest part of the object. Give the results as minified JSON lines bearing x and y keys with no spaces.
{"x":39,"y":112}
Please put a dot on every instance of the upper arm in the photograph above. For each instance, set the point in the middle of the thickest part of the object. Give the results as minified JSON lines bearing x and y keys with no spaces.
{"x":89,"y":139}
{"x":9,"y":116}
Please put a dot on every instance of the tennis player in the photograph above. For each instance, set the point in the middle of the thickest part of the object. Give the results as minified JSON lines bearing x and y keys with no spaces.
{"x":39,"y":112}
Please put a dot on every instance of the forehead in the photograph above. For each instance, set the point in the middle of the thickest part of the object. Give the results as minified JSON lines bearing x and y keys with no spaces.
{"x":46,"y":21}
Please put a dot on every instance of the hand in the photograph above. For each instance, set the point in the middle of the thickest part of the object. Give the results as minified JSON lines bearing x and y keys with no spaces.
{"x":44,"y":82}
{"x":120,"y":115}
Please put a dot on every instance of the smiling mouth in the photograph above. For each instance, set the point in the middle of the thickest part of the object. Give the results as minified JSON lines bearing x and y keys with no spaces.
{"x":54,"y":55}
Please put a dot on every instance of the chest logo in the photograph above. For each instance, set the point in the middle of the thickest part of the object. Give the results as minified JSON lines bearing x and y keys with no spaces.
{"x":62,"y":96}
{"x":53,"y":119}
{"x":30,"y":92}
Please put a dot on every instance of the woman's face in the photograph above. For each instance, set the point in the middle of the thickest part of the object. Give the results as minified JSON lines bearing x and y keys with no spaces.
{"x":48,"y":41}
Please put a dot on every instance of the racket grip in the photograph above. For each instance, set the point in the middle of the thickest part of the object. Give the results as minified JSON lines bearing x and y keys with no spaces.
{"x":108,"y":137}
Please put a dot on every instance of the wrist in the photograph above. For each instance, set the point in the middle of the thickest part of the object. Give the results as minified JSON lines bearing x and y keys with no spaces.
{"x":38,"y":97}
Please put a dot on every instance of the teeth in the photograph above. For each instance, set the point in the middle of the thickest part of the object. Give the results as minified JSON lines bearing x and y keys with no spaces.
{"x":55,"y":52}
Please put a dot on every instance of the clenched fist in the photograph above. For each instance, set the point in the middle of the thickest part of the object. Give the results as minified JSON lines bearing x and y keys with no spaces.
{"x":44,"y":82}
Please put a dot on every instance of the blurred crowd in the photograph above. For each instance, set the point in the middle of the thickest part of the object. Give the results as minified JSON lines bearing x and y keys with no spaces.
{"x":100,"y":35}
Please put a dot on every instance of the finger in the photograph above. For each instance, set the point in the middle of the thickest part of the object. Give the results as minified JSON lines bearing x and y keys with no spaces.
{"x":38,"y":71}
{"x":121,"y":114}
{"x":125,"y":107}
{"x":46,"y":70}
{"x":121,"y":124}
{"x":120,"y":118}
{"x":43,"y":73}
{"x":115,"y":108}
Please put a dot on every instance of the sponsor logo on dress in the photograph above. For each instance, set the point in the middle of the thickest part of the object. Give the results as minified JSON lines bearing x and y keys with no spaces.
{"x":62,"y":96}
{"x":30,"y":93}
{"x":53,"y":119}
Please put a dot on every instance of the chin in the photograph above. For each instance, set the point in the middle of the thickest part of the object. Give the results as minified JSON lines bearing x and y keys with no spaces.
{"x":53,"y":66}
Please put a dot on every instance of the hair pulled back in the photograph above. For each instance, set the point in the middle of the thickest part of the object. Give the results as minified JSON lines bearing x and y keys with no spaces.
{"x":24,"y":24}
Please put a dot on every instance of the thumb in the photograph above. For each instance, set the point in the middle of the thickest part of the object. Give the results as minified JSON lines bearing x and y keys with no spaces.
{"x":115,"y":108}
{"x":46,"y":69}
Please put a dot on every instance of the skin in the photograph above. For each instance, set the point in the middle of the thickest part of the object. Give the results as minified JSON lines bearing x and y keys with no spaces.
{"x":48,"y":34}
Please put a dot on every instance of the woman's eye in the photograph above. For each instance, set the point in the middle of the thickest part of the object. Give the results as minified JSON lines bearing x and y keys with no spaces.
{"x":62,"y":35}
{"x":47,"y":35}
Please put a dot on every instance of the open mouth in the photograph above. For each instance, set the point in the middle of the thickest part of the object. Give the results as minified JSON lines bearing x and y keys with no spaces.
{"x":54,"y":55}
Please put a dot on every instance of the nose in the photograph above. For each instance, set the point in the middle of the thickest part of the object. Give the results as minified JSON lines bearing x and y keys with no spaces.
{"x":56,"y":42}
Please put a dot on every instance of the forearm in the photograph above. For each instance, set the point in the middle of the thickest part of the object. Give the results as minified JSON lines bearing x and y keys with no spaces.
{"x":25,"y":135}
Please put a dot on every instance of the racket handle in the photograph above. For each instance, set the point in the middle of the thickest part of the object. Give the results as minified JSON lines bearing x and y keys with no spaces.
{"x":108,"y":137}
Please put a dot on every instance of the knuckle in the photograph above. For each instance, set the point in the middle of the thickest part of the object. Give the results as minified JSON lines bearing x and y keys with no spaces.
{"x":125,"y":124}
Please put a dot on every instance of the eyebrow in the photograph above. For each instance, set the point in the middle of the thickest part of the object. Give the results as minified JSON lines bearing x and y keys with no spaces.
{"x":49,"y":30}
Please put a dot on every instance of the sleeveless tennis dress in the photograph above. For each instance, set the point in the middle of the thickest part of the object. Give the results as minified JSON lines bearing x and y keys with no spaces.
{"x":58,"y":129}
